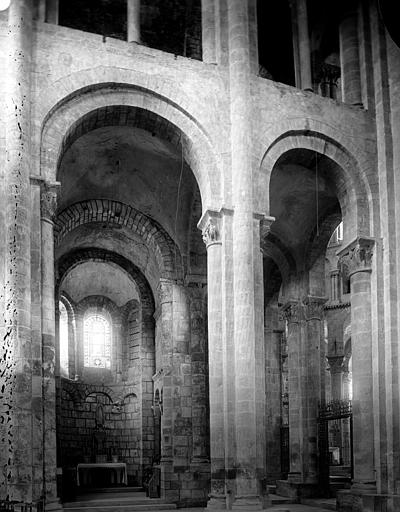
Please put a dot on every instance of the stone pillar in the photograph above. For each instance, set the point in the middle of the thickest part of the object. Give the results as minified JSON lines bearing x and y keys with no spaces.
{"x":336,"y":369}
{"x":198,"y":355}
{"x":250,"y":438}
{"x":164,"y":363}
{"x":176,"y":420}
{"x":293,"y":313}
{"x":314,"y":358}
{"x":52,"y":9}
{"x":300,"y":17}
{"x":306,"y":369}
{"x":349,"y":57}
{"x":273,"y":394}
{"x":208,"y":26}
{"x":358,"y":256}
{"x":210,"y":227}
{"x":16,"y":356}
{"x":334,"y":280}
{"x":48,"y":208}
{"x":133,"y":22}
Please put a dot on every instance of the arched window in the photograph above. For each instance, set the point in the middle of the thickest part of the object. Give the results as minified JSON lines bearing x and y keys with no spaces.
{"x":97,"y":341}
{"x":64,"y":341}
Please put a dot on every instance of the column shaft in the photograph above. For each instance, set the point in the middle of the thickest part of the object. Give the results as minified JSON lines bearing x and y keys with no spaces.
{"x":247,"y":489}
{"x":48,"y":208}
{"x":208,"y":26}
{"x":133,"y":24}
{"x":363,"y":419}
{"x":273,"y":392}
{"x":209,"y":224}
{"x":52,"y":9}
{"x":314,"y":373}
{"x":304,"y":45}
{"x":16,"y":363}
{"x":357,"y":256}
{"x":350,"y":59}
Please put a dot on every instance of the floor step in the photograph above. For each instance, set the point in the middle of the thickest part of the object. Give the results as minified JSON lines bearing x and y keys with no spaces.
{"x":321,"y":503}
{"x":124,"y":508}
{"x":120,"y":501}
{"x":110,"y":496}
{"x":281,"y":500}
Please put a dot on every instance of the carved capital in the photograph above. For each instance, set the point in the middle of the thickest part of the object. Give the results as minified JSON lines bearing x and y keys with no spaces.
{"x":335,"y":364}
{"x":292,"y":311}
{"x":48,"y":200}
{"x":265,"y":226}
{"x":357,"y":256}
{"x":314,"y":307}
{"x":210,"y":233}
{"x":164,"y":290}
{"x":210,"y":226}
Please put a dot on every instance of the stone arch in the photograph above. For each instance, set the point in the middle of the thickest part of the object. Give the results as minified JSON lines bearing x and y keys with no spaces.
{"x":274,"y":249}
{"x":317,"y":244}
{"x":95,"y":389}
{"x":79,"y":96}
{"x":75,"y":257}
{"x":351,"y":181}
{"x":166,"y":252}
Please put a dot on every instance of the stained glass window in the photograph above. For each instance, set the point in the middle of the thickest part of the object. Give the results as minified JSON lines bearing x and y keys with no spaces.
{"x":97,"y":342}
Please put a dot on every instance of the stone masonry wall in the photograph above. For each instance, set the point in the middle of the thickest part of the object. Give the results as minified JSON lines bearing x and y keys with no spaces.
{"x":81,"y":437}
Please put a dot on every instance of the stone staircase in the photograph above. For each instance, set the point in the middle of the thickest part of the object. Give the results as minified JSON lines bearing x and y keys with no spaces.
{"x":124,"y":499}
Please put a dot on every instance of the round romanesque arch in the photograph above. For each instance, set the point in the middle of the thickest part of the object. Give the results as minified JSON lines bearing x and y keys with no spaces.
{"x":351,"y":167}
{"x":70,"y":114}
{"x":75,"y":257}
{"x":108,"y":212}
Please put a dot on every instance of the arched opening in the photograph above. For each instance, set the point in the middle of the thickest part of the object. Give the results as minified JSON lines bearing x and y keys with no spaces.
{"x":126,"y":245}
{"x":64,"y":340}
{"x":310,"y":205}
{"x":274,"y":30}
{"x":96,"y":341}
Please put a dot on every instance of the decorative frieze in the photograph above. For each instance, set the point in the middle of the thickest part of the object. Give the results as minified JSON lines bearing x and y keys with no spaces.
{"x":357,"y":256}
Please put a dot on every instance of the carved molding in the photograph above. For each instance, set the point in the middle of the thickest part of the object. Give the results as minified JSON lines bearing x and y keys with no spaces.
{"x":314,"y":307}
{"x":265,"y":226}
{"x":48,"y":200}
{"x":210,"y":226}
{"x":211,"y":233}
{"x":357,"y":256}
{"x":336,"y":364}
{"x":292,"y":311}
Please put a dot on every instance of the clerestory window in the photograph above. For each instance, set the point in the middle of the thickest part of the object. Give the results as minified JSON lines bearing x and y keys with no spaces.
{"x":97,"y":342}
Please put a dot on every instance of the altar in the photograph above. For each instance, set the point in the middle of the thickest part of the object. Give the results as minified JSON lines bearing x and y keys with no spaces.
{"x":86,"y":472}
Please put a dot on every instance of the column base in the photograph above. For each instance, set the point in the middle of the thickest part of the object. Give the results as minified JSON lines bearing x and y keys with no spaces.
{"x":53,"y":505}
{"x":298,"y":490}
{"x":251,"y":503}
{"x":349,"y":501}
{"x":216,"y":502}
